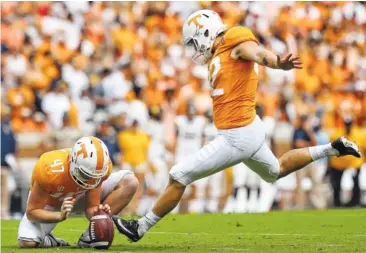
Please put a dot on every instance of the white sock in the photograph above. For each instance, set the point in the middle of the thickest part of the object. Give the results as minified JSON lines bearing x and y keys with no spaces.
{"x":147,"y":222}
{"x":322,"y":151}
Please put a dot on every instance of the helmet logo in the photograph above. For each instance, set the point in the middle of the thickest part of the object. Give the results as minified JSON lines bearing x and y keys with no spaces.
{"x":195,"y":21}
{"x":82,"y":151}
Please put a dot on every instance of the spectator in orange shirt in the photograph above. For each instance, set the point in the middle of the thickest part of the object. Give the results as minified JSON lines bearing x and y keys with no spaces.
{"x":19,"y":97}
{"x":40,"y":122}
{"x":35,"y":77}
{"x":124,"y":38}
{"x":61,"y":52}
{"x":24,"y":123}
{"x":312,"y":82}
{"x":154,"y":95}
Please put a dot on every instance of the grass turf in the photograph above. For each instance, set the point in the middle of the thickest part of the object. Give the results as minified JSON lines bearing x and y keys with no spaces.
{"x":276,"y":232}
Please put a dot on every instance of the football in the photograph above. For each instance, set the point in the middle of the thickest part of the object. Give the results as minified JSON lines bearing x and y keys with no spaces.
{"x":101,"y":230}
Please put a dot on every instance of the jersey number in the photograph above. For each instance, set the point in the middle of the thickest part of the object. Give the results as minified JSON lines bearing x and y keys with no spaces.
{"x":57,"y":166}
{"x":214,"y":68}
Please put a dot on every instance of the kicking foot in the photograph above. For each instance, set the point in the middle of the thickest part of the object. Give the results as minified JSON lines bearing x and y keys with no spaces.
{"x":346,"y":147}
{"x":127,"y":227}
{"x":57,"y":242}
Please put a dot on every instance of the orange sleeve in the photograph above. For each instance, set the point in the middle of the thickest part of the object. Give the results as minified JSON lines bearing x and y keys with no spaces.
{"x":239,"y":34}
{"x":40,"y":175}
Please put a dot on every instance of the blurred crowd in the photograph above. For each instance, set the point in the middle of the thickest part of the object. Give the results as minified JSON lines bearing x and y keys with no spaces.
{"x":118,"y":70}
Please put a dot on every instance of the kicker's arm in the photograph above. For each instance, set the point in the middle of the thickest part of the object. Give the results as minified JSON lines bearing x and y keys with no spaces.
{"x":250,"y":50}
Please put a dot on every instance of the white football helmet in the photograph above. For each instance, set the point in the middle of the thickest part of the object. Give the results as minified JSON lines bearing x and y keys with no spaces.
{"x":200,"y":31}
{"x":89,"y":160}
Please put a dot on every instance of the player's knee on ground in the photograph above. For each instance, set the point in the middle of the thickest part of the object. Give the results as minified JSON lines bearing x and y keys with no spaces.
{"x":27,"y":244}
{"x":129,"y":183}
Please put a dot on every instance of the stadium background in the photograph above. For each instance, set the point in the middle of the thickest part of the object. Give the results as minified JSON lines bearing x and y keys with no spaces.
{"x":98,"y":68}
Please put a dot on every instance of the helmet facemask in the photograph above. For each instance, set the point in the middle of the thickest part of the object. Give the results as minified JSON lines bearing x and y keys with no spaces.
{"x":202,"y":50}
{"x":200,"y":31}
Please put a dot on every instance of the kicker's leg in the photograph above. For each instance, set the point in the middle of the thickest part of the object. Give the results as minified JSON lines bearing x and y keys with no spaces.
{"x":299,"y":158}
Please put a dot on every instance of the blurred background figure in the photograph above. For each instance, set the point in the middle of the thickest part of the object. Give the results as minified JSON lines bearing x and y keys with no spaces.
{"x":119,"y":70}
{"x":8,"y":160}
{"x":134,"y":145}
{"x":339,"y":165}
{"x":55,"y":104}
{"x":189,"y":131}
{"x":160,"y":160}
{"x":106,"y":133}
{"x":304,"y":136}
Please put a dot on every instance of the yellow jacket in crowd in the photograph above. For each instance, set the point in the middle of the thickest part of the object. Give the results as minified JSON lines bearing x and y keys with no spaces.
{"x":349,"y":162}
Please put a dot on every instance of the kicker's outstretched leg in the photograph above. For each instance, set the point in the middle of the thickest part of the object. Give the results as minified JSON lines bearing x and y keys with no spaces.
{"x":299,"y":158}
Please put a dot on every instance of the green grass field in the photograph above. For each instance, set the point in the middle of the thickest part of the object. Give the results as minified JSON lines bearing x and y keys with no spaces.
{"x":342,"y":231}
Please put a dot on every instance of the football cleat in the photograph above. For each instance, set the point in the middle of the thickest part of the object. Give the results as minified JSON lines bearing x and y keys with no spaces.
{"x":57,"y":242}
{"x":84,"y":241}
{"x":128,"y":228}
{"x":346,"y":147}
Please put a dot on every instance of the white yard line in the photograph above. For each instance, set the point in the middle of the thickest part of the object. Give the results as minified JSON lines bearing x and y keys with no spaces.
{"x":329,"y":245}
{"x":228,"y":249}
{"x":261,"y":234}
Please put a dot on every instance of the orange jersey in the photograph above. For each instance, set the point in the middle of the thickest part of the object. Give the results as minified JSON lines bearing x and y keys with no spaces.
{"x":51,"y":172}
{"x":234,"y":82}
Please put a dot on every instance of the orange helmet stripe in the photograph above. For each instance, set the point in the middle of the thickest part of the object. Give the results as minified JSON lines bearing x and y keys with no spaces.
{"x":100,"y":153}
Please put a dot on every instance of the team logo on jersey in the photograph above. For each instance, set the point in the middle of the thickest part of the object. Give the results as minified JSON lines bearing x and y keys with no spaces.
{"x":60,"y":188}
{"x":59,"y":192}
